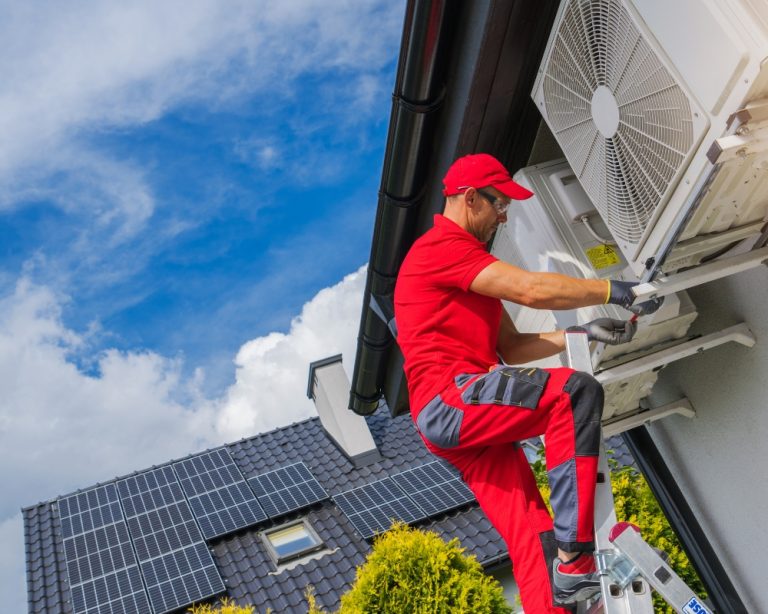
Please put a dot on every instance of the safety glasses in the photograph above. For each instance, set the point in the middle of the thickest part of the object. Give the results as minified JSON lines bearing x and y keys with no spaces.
{"x":497,"y":203}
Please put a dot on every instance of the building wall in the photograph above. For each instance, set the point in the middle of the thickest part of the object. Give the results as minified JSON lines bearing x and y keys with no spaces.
{"x":719,"y":458}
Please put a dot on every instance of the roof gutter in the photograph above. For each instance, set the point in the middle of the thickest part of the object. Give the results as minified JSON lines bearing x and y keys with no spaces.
{"x":418,"y":95}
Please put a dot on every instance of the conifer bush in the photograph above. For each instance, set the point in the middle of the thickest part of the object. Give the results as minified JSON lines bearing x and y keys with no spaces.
{"x":415,"y":571}
{"x":224,"y":607}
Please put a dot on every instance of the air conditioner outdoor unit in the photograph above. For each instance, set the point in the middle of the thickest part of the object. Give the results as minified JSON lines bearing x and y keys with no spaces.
{"x":637,"y":93}
{"x":545,"y":233}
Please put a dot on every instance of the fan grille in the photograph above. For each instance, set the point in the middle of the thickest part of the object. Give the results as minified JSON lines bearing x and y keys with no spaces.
{"x":626,"y":174}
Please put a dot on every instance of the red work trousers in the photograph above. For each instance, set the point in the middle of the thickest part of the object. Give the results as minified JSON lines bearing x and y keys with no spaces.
{"x":475,"y":423}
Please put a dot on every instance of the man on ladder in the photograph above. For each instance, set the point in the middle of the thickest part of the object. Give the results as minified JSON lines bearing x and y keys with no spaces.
{"x":471,"y":408}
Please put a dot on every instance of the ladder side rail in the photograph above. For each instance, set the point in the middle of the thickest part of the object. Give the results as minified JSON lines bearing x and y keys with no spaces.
{"x":636,"y":597}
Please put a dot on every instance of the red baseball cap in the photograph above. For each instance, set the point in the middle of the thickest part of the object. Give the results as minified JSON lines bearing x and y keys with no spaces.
{"x":481,"y":171}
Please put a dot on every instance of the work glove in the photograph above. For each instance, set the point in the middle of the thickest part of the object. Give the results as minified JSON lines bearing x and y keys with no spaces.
{"x":607,"y":330}
{"x":621,"y":294}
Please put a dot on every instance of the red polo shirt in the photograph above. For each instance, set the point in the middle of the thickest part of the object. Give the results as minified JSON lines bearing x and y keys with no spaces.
{"x":443,"y":328}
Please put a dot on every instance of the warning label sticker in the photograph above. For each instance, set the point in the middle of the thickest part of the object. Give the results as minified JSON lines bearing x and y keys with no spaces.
{"x":602,"y":256}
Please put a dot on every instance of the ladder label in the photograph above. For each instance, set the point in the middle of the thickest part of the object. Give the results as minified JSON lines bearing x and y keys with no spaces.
{"x":694,"y":606}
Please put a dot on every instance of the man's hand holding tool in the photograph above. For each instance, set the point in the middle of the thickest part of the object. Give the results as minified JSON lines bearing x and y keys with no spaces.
{"x":608,"y":330}
{"x":620,"y":293}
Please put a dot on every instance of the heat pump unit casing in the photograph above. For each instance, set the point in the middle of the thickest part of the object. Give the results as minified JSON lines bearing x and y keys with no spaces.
{"x":636,"y":93}
{"x":545,"y":233}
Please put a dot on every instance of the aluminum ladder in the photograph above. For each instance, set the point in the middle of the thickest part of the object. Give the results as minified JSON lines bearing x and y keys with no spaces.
{"x":628,"y":566}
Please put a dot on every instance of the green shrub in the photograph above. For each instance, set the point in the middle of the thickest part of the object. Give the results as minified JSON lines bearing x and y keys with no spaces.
{"x":224,"y":607}
{"x":635,"y":503}
{"x":415,"y":571}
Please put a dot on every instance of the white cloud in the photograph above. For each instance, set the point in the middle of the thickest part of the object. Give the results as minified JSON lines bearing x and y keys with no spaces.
{"x":263,"y":153}
{"x":272,"y":371}
{"x":61,"y":429}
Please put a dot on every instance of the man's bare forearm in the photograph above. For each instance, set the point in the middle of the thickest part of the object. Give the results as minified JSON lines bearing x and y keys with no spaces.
{"x":522,"y":348}
{"x":539,"y":290}
{"x":556,"y":291}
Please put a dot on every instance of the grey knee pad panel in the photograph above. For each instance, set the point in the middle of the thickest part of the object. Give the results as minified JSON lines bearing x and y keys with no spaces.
{"x":440,"y":423}
{"x":587,"y":399}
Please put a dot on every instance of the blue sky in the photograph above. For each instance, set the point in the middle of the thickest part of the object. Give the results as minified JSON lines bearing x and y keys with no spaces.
{"x":187,"y":195}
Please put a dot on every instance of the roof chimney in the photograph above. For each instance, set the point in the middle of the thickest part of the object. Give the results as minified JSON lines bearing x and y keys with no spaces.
{"x":329,"y":388}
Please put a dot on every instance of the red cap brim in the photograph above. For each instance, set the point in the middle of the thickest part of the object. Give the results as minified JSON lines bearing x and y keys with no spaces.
{"x":513,"y":190}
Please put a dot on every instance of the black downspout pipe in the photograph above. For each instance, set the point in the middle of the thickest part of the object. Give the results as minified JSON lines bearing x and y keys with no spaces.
{"x":722,"y":593}
{"x":418,"y":94}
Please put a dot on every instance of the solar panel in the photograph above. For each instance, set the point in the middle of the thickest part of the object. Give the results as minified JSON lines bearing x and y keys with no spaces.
{"x":434,"y":487}
{"x":218,"y":494}
{"x":103,"y":575}
{"x":177,"y":566}
{"x":373,"y":507}
{"x":287,"y":489}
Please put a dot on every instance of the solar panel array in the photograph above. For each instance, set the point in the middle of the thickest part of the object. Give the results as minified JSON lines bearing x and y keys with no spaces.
{"x":434,"y":487}
{"x":139,"y":541}
{"x":103,"y":575}
{"x":136,"y":542}
{"x":287,"y":489}
{"x":177,"y":566}
{"x":409,"y":496}
{"x":218,"y":494}
{"x":373,"y":507}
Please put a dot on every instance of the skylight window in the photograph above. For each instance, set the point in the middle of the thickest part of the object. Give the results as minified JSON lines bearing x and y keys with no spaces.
{"x":291,"y":541}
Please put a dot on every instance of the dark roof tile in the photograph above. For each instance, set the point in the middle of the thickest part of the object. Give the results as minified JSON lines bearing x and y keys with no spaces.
{"x":294,"y":596}
{"x":620,"y":451}
{"x":339,"y":582}
{"x":315,"y":576}
{"x":275,"y":593}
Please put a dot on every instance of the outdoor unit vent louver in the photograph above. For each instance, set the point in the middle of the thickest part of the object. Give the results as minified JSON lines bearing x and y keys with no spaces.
{"x":626,"y":124}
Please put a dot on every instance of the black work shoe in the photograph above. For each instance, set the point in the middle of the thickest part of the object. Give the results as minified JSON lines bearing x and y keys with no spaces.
{"x":570,"y":588}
